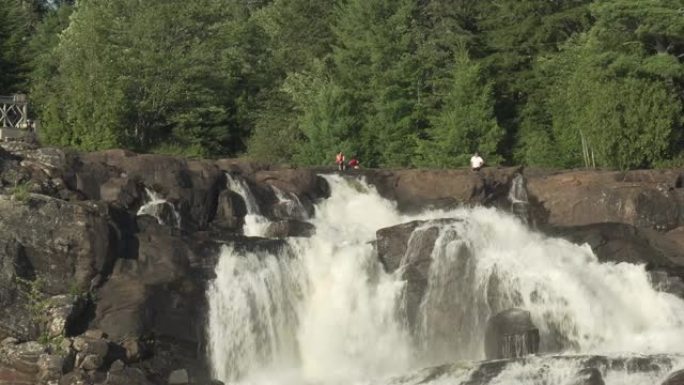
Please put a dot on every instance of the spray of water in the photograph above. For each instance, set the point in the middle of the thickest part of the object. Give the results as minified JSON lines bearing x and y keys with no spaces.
{"x":323,"y":311}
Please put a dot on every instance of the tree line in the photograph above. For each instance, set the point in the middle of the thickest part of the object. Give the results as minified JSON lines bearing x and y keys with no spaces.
{"x":411,"y":83}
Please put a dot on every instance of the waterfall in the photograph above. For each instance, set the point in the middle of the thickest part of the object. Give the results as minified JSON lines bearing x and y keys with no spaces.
{"x":324,"y":311}
{"x":255,"y":223}
{"x":290,"y":204}
{"x":161,"y":209}
{"x":517,"y":195}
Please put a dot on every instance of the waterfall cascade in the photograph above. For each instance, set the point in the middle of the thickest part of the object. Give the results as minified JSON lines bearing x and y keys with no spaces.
{"x":255,"y":222}
{"x":323,"y":310}
{"x":292,"y":206}
{"x":517,"y":195}
{"x":158,"y":207}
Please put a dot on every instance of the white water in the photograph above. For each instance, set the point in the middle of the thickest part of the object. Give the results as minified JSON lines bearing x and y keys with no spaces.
{"x":154,"y":206}
{"x":325,"y":312}
{"x":255,"y":223}
{"x":292,"y":205}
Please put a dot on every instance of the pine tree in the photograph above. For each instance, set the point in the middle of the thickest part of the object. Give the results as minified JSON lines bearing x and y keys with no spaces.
{"x":466,"y":122}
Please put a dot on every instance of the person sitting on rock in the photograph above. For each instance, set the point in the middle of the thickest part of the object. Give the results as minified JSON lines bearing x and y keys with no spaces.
{"x":339,"y":159}
{"x":353,"y":163}
{"x":476,"y":162}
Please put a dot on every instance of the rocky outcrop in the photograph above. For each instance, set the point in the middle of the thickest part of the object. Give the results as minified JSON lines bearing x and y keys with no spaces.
{"x":676,"y":378}
{"x":406,"y":249}
{"x":645,"y":199}
{"x":415,"y":190}
{"x":511,"y":334}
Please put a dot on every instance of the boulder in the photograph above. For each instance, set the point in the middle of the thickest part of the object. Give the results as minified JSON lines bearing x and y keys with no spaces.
{"x":589,"y":376}
{"x":289,"y":228}
{"x":50,"y":367}
{"x":192,"y":185}
{"x":63,"y":311}
{"x":511,"y":334}
{"x":64,"y":243}
{"x":619,"y":242}
{"x":230,"y":211}
{"x":417,"y":189}
{"x":646,"y":199}
{"x":407,"y":249}
{"x":676,"y":378}
{"x":179,"y":377}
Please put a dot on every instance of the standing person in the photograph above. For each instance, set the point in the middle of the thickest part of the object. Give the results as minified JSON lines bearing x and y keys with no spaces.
{"x":339,"y":159}
{"x":353,"y":163}
{"x":476,"y":162}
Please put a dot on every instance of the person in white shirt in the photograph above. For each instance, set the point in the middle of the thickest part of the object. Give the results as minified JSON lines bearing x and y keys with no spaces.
{"x":476,"y":162}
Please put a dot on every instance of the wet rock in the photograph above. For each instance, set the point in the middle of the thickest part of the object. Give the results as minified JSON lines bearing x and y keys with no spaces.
{"x":676,"y":378}
{"x":589,"y":376}
{"x":179,"y":377}
{"x":230,"y":211}
{"x":619,"y":242}
{"x":193,"y":185}
{"x":408,"y":248}
{"x":511,"y":334}
{"x":289,"y":228}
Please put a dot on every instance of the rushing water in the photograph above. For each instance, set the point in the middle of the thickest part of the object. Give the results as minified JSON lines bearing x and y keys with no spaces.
{"x":323,"y":310}
{"x":162,"y":210}
{"x":255,"y":222}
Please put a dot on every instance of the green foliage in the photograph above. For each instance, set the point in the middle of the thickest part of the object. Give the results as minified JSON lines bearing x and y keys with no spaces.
{"x":547,"y":83}
{"x":21,"y":191}
{"x":465,"y":124}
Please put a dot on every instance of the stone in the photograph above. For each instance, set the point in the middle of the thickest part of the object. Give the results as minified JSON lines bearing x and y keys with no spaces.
{"x":289,"y":228}
{"x":94,"y":334}
{"x":179,"y":377}
{"x":65,"y":243}
{"x":120,"y":191}
{"x":675,"y":378}
{"x":9,"y":341}
{"x":62,"y":310}
{"x":50,"y":367}
{"x":408,"y":247}
{"x":645,"y":199}
{"x":511,"y":334}
{"x":24,"y":356}
{"x":132,"y":348}
{"x":589,"y":376}
{"x":90,"y":361}
{"x":85,"y":345}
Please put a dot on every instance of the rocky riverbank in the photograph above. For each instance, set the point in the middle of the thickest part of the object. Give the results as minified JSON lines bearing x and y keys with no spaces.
{"x":106,"y":256}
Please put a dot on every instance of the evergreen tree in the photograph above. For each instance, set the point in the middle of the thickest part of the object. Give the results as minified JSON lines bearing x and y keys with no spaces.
{"x":149,"y":75}
{"x":466,"y":122}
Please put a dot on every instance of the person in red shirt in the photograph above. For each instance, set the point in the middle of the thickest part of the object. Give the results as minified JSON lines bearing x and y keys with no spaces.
{"x":353,"y":163}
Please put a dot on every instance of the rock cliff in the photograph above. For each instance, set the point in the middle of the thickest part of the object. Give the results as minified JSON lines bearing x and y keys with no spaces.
{"x":117,"y":296}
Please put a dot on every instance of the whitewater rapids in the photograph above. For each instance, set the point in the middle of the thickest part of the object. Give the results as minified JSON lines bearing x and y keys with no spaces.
{"x":323,"y":310}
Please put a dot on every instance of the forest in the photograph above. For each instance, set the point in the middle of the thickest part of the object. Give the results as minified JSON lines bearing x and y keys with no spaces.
{"x":399,"y":83}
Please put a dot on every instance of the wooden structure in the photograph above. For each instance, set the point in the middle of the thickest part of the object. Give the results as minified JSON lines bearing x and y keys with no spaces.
{"x":14,"y":121}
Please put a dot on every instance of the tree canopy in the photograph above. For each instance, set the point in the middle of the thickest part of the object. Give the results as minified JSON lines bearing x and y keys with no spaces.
{"x":395,"y":82}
